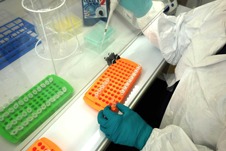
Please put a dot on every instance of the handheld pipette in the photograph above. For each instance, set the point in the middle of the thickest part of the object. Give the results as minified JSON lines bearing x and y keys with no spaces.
{"x":113,"y":5}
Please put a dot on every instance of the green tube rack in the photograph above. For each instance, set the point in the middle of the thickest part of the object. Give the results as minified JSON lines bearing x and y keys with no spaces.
{"x":28,"y":112}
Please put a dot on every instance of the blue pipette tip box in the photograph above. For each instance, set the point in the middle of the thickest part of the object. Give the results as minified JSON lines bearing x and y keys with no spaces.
{"x":17,"y":37}
{"x":95,"y":36}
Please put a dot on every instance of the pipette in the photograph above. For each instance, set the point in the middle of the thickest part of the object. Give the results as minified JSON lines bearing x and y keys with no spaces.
{"x":113,"y":5}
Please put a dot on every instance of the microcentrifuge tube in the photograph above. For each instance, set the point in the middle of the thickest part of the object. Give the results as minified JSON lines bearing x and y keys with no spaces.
{"x":29,"y":110}
{"x":25,"y":99}
{"x":19,"y":128}
{"x":1,"y":109}
{"x":60,"y":93}
{"x":39,"y":111}
{"x":16,"y":98}
{"x":1,"y":118}
{"x":11,"y":110}
{"x":125,"y":87}
{"x":34,"y":92}
{"x":34,"y":115}
{"x":47,"y":82}
{"x":48,"y":103}
{"x":99,"y":90}
{"x":11,"y":101}
{"x":21,"y":102}
{"x":96,"y":94}
{"x":39,"y":89}
{"x":14,"y":132}
{"x":52,"y":100}
{"x":127,"y":84}
{"x":25,"y":123}
{"x":122,"y":92}
{"x":43,"y":106}
{"x":6,"y":114}
{"x":15,"y":105}
{"x":56,"y":96}
{"x":30,"y":95}
{"x":14,"y":122}
{"x":43,"y":85}
{"x":29,"y":119}
{"x":6,"y":105}
{"x":131,"y":78}
{"x":8,"y":126}
{"x":64,"y":89}
{"x":105,"y":83}
{"x":134,"y":74}
{"x":107,"y":79}
{"x":135,"y":71}
{"x":24,"y":113}
{"x":129,"y":81}
{"x":19,"y":117}
{"x":114,"y":104}
{"x":50,"y":79}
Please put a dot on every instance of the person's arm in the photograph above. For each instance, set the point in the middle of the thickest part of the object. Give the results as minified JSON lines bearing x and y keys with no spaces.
{"x":171,"y":138}
{"x":131,"y":130}
{"x":128,"y":129}
{"x":172,"y":35}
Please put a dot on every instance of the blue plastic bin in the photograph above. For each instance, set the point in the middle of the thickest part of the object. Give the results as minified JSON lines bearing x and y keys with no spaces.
{"x":17,"y":37}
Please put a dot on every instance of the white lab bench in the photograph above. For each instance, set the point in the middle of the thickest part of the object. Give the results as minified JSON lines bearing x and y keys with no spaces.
{"x":77,"y":128}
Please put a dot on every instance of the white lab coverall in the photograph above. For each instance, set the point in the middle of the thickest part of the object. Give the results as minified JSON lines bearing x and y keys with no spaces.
{"x":195,"y":119}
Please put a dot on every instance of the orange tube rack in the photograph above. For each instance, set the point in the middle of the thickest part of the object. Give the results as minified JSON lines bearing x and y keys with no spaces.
{"x":113,"y":85}
{"x":44,"y":144}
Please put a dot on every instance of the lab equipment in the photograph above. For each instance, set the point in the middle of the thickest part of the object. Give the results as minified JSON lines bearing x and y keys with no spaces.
{"x":94,"y":11}
{"x":44,"y":144}
{"x":33,"y":112}
{"x":55,"y":29}
{"x":116,"y":77}
{"x":113,"y":5}
{"x":95,"y":37}
{"x":17,"y":37}
{"x":127,"y":129}
{"x":171,"y":7}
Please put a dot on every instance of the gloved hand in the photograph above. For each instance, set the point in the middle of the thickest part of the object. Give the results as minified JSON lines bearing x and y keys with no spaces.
{"x":138,"y":7}
{"x":128,"y":129}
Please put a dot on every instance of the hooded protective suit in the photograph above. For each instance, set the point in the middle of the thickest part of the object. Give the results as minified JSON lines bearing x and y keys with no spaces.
{"x":195,"y":119}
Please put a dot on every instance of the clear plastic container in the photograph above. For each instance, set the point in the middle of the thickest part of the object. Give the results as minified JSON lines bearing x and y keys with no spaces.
{"x":94,"y":37}
{"x":56,"y":29}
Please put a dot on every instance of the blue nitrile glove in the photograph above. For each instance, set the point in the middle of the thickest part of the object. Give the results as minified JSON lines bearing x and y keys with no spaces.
{"x":138,"y":7}
{"x":128,"y":129}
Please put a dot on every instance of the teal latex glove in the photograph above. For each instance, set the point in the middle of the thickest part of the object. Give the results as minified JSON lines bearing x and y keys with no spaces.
{"x":138,"y":7}
{"x":128,"y":129}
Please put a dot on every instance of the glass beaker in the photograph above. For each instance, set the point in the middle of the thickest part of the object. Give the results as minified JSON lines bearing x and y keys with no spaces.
{"x":56,"y":28}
